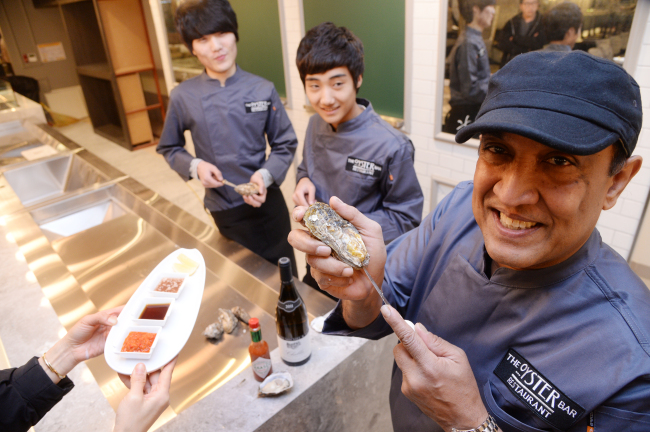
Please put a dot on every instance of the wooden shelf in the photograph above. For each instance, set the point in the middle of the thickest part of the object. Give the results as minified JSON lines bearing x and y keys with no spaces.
{"x":111,"y":48}
{"x":111,"y":132}
{"x":96,"y":70}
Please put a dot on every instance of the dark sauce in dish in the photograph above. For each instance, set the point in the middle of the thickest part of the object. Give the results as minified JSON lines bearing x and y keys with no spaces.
{"x":154,"y":311}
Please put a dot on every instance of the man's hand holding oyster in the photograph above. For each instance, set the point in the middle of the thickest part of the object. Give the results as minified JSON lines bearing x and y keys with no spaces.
{"x":361,"y":302}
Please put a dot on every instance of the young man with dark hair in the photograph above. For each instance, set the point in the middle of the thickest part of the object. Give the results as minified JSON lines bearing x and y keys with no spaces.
{"x":349,"y":150}
{"x":230,"y":114}
{"x":562,"y":25}
{"x":522,"y":33}
{"x":536,"y":324}
{"x":469,"y":65}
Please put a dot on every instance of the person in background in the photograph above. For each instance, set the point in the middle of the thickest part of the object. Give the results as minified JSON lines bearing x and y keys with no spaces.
{"x":28,"y":392}
{"x":469,"y":66}
{"x":526,"y":320}
{"x":562,"y":25}
{"x":522,"y":33}
{"x":231,"y":113}
{"x":349,"y":150}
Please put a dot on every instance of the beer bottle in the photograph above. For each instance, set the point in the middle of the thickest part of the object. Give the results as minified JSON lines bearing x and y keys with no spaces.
{"x":291,"y":319}
{"x":259,"y":352}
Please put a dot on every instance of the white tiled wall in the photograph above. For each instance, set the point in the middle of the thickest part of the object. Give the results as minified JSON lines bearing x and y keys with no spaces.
{"x":444,"y":159}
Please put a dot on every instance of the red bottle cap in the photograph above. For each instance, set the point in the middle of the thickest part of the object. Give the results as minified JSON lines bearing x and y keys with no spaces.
{"x":253,"y":323}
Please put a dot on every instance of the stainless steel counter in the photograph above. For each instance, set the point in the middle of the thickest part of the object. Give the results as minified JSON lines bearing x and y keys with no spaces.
{"x":90,"y":235}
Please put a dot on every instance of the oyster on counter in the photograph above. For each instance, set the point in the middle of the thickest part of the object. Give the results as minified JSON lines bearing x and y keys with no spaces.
{"x":337,"y":233}
{"x":227,"y":319}
{"x":241,"y":314}
{"x":247,"y":189}
{"x":214,"y":330}
{"x":275,"y":384}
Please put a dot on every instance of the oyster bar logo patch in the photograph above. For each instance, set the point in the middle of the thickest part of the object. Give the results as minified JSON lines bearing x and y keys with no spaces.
{"x":539,"y":394}
{"x":259,"y":106}
{"x":363,"y":167}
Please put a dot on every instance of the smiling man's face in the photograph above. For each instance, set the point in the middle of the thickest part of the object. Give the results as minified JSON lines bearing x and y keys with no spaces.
{"x":535,"y":205}
{"x":333,"y":95}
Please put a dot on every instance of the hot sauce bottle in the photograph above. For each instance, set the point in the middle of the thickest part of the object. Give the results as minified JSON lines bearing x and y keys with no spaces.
{"x":259,"y":352}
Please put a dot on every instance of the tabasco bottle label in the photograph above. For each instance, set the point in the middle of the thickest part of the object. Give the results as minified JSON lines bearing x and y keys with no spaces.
{"x":261,"y":367}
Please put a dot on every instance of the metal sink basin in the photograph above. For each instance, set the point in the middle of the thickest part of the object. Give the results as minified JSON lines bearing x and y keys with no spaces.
{"x":50,"y":178}
{"x":81,"y":220}
{"x":17,"y":137}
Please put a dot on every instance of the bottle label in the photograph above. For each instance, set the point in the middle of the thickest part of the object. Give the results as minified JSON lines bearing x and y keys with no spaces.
{"x":296,"y":350}
{"x":290,"y":306}
{"x":261,"y":367}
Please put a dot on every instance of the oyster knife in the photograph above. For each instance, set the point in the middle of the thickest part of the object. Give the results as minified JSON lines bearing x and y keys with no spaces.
{"x":227,"y":183}
{"x":372,"y":281}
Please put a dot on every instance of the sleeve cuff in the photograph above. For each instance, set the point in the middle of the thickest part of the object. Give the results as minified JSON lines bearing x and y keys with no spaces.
{"x":336,"y":325}
{"x":267,"y":177}
{"x":194,"y":165}
{"x":33,"y":383}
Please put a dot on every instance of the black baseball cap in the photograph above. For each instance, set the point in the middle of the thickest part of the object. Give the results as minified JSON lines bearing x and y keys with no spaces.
{"x":570,"y":101}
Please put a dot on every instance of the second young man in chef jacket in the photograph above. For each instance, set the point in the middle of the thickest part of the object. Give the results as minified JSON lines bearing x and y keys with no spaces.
{"x":349,"y":150}
{"x":231,"y":113}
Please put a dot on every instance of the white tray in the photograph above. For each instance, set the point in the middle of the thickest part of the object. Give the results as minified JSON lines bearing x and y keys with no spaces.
{"x":180,"y":323}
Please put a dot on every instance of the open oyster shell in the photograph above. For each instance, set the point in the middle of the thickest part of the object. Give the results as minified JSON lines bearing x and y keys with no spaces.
{"x":246,"y":189}
{"x":337,"y":233}
{"x":275,"y":384}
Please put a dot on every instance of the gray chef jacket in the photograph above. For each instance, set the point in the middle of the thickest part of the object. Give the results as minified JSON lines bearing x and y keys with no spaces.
{"x":469,"y":69}
{"x":228,"y":126}
{"x":368,"y":164}
{"x":551,"y":349}
{"x":556,"y":47}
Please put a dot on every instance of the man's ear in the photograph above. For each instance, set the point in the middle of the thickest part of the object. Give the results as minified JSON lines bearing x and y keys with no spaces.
{"x":359,"y":81}
{"x":620,"y":180}
{"x":570,"y":35}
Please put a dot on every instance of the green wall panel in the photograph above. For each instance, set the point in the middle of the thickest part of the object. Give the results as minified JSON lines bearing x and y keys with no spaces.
{"x":259,"y":50}
{"x":380,"y":26}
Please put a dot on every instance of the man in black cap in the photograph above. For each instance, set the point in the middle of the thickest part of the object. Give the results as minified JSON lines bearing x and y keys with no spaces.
{"x":538,"y":324}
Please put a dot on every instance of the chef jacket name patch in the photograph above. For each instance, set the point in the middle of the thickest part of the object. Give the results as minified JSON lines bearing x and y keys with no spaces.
{"x":259,"y":106}
{"x":363,"y":167}
{"x":538,"y":393}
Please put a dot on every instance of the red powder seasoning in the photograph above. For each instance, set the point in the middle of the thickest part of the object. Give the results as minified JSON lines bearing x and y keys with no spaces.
{"x":138,"y":342}
{"x":169,"y":284}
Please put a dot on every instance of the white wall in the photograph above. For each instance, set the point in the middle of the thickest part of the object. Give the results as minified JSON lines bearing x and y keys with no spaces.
{"x":437,"y":157}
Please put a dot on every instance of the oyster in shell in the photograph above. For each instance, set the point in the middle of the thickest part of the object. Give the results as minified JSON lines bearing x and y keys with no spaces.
{"x":275,"y":384}
{"x":337,"y":233}
{"x":246,"y":189}
{"x":214,"y":330}
{"x":227,"y":319}
{"x":241,"y":314}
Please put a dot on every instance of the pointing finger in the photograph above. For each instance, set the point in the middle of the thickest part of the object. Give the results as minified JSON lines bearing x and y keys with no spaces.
{"x":413,"y":343}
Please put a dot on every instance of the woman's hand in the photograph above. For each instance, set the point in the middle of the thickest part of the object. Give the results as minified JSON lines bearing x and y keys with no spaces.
{"x":143,"y":404}
{"x":85,"y":340}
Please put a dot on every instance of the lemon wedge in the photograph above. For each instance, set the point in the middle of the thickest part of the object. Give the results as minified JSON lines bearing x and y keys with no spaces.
{"x":182,"y":268}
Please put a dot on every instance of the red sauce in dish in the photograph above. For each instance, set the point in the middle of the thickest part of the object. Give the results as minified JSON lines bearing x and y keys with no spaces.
{"x":138,"y":342}
{"x":154,"y":311}
{"x":169,"y":284}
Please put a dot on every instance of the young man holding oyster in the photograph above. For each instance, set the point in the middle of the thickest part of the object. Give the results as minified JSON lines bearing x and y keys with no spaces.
{"x":349,"y":150}
{"x":538,"y":324}
{"x":230,"y":114}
